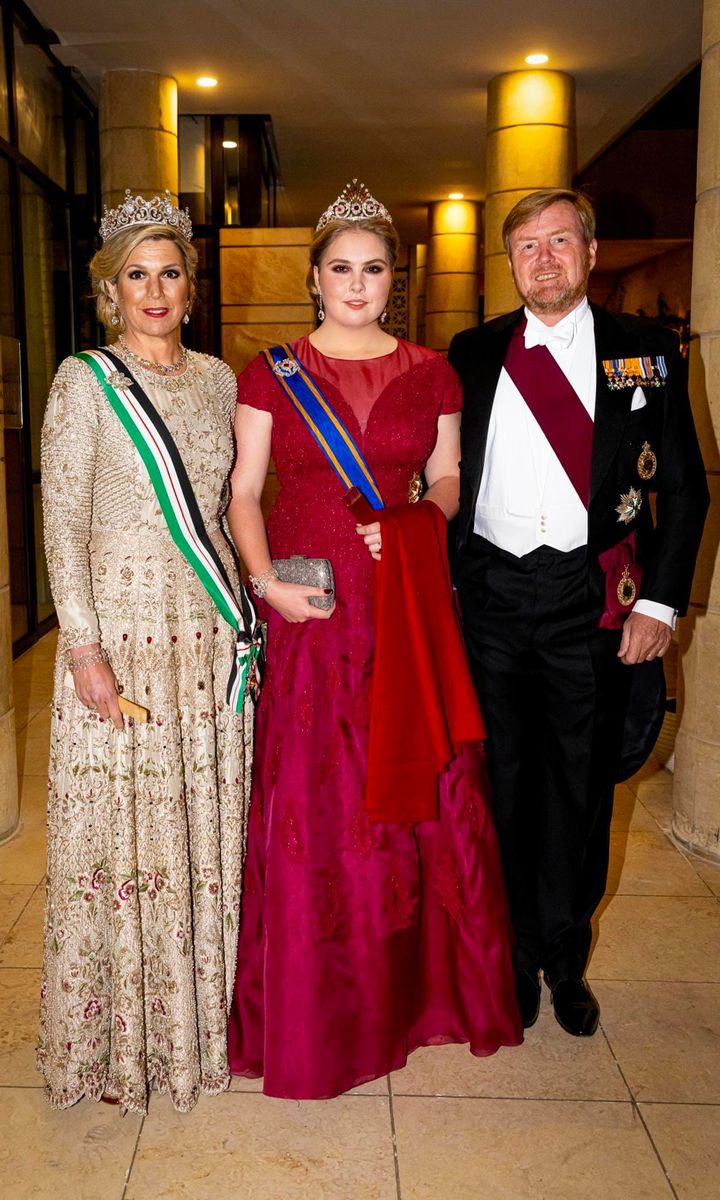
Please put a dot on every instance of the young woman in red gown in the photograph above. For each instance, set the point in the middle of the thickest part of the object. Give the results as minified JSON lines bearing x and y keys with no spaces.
{"x":358,"y":941}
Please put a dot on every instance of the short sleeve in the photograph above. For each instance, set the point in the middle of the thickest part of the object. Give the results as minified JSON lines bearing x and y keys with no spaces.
{"x":256,"y":386}
{"x":450,"y":388}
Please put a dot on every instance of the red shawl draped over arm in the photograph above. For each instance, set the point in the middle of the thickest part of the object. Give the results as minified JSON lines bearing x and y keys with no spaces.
{"x":423,"y":705}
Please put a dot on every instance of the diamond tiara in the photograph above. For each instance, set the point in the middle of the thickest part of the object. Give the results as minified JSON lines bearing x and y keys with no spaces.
{"x":136,"y":210}
{"x":355,"y":203}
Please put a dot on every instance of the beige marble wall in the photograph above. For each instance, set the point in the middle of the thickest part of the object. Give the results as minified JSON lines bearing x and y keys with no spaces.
{"x":138,"y":134}
{"x":262,"y":290}
{"x":452,"y":280}
{"x":696,"y":792}
{"x":8,"y":756}
{"x":530,"y":145}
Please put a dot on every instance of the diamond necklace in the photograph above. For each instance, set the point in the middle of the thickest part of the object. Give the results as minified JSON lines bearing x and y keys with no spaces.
{"x":164,"y":369}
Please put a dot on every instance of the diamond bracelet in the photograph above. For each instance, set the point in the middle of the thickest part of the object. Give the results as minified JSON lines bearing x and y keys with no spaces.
{"x":259,"y":583}
{"x":91,"y":659}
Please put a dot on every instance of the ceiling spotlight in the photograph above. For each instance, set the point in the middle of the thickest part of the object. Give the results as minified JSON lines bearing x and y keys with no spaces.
{"x":536,"y":60}
{"x":229,"y":145}
{"x":206,"y":81}
{"x":456,"y":195}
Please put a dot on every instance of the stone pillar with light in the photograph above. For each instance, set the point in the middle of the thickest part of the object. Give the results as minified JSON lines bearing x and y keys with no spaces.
{"x":696,"y":791}
{"x":138,"y":134}
{"x":530,"y":145}
{"x":452,"y":279}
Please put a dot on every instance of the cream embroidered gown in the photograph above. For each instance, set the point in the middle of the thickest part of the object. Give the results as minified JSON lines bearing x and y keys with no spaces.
{"x":146,"y":827}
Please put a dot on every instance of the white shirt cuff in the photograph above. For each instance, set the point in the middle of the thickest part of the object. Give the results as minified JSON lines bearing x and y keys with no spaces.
{"x":661,"y":612}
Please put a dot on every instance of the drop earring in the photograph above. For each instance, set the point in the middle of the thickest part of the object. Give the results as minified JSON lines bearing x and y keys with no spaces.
{"x":186,"y":318}
{"x":321,"y":310}
{"x":115,"y":316}
{"x":384,"y":318}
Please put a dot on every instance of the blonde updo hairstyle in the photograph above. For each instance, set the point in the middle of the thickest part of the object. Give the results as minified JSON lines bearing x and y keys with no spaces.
{"x":324,"y":238}
{"x":108,"y":262}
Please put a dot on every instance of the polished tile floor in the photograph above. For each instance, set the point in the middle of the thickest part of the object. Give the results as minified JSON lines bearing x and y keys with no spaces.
{"x":632,"y":1114}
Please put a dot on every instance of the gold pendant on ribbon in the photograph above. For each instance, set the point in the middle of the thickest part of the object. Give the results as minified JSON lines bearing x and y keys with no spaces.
{"x":647,"y":462}
{"x":414,"y":489}
{"x":626,"y":590}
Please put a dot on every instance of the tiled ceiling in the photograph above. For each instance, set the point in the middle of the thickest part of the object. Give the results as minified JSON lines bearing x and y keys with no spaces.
{"x":393,"y":92}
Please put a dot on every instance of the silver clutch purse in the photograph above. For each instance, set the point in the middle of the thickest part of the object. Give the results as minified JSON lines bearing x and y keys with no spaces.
{"x":312,"y":572}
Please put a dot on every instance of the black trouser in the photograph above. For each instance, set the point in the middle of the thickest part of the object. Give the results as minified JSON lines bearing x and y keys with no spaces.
{"x":553,"y":695}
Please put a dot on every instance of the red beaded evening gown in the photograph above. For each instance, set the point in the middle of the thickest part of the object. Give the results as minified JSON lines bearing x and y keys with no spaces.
{"x":358,"y":942}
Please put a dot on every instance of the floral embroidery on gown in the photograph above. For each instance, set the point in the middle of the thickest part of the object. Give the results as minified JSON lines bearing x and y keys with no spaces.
{"x":145,"y":828}
{"x":358,"y":942}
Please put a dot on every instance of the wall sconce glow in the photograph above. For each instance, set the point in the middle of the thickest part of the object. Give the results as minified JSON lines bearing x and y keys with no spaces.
{"x":536,"y":60}
{"x":206,"y":81}
{"x":456,"y":195}
{"x":229,"y":145}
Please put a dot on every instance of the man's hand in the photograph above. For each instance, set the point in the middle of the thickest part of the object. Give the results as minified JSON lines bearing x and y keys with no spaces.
{"x":643,"y":638}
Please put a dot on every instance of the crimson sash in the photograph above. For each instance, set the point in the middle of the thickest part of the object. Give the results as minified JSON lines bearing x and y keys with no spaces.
{"x":556,"y":407}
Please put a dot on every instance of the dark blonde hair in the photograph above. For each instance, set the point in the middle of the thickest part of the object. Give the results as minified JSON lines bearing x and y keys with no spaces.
{"x":323,"y":239}
{"x":536,"y":203}
{"x":108,"y":262}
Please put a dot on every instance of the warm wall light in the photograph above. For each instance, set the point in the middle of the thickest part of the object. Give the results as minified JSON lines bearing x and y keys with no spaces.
{"x":229,"y":145}
{"x":536,"y":60}
{"x":456,"y":195}
{"x":206,"y":81}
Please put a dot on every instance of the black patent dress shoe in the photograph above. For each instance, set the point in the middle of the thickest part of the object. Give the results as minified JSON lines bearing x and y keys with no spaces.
{"x":576,"y":1009}
{"x":527,"y":990}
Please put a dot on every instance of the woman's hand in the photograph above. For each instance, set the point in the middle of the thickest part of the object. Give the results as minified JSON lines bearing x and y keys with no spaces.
{"x":372,"y":538}
{"x":292,"y":601}
{"x":95,"y":687}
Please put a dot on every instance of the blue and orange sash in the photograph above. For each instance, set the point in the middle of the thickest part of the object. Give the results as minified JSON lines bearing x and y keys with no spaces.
{"x":336,"y":443}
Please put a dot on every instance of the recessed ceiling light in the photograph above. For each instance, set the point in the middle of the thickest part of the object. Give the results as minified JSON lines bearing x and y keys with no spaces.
{"x":536,"y":60}
{"x":456,"y":195}
{"x":229,"y":145}
{"x":206,"y":81}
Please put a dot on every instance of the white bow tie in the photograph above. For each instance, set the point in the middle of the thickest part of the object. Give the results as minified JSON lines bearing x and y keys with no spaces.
{"x":555,"y":337}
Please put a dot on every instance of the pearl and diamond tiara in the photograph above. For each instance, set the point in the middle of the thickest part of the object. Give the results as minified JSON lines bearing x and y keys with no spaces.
{"x":136,"y":210}
{"x":355,"y":203}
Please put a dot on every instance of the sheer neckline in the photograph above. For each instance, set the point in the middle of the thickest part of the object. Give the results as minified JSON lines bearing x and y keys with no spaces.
{"x":376,"y":358}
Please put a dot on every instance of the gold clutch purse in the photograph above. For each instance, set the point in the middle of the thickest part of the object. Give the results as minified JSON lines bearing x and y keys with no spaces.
{"x":128,"y":707}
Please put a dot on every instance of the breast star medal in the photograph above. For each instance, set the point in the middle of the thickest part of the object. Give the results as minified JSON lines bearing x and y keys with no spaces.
{"x":629,"y":506}
{"x":647,"y":462}
{"x":626,"y":590}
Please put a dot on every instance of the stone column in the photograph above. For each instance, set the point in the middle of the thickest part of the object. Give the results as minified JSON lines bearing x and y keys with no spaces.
{"x":420,"y":292}
{"x":9,"y":810}
{"x":696,"y":792}
{"x":530,"y":145}
{"x":452,"y":282}
{"x":138,"y":134}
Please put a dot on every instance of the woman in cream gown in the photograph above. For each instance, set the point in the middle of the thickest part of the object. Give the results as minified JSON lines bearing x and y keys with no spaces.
{"x":146,"y":822}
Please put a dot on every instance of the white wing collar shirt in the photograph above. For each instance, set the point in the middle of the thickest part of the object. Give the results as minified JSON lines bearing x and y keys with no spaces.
{"x":526,"y":500}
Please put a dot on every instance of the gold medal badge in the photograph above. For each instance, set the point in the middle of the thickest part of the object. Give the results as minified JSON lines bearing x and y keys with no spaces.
{"x":414,"y":489}
{"x":626,"y":589}
{"x":647,"y":462}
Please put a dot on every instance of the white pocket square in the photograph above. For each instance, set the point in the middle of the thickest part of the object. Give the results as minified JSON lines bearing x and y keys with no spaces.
{"x":638,"y":400}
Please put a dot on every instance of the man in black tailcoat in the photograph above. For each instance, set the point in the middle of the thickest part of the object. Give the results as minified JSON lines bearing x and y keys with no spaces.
{"x":574,"y":417}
